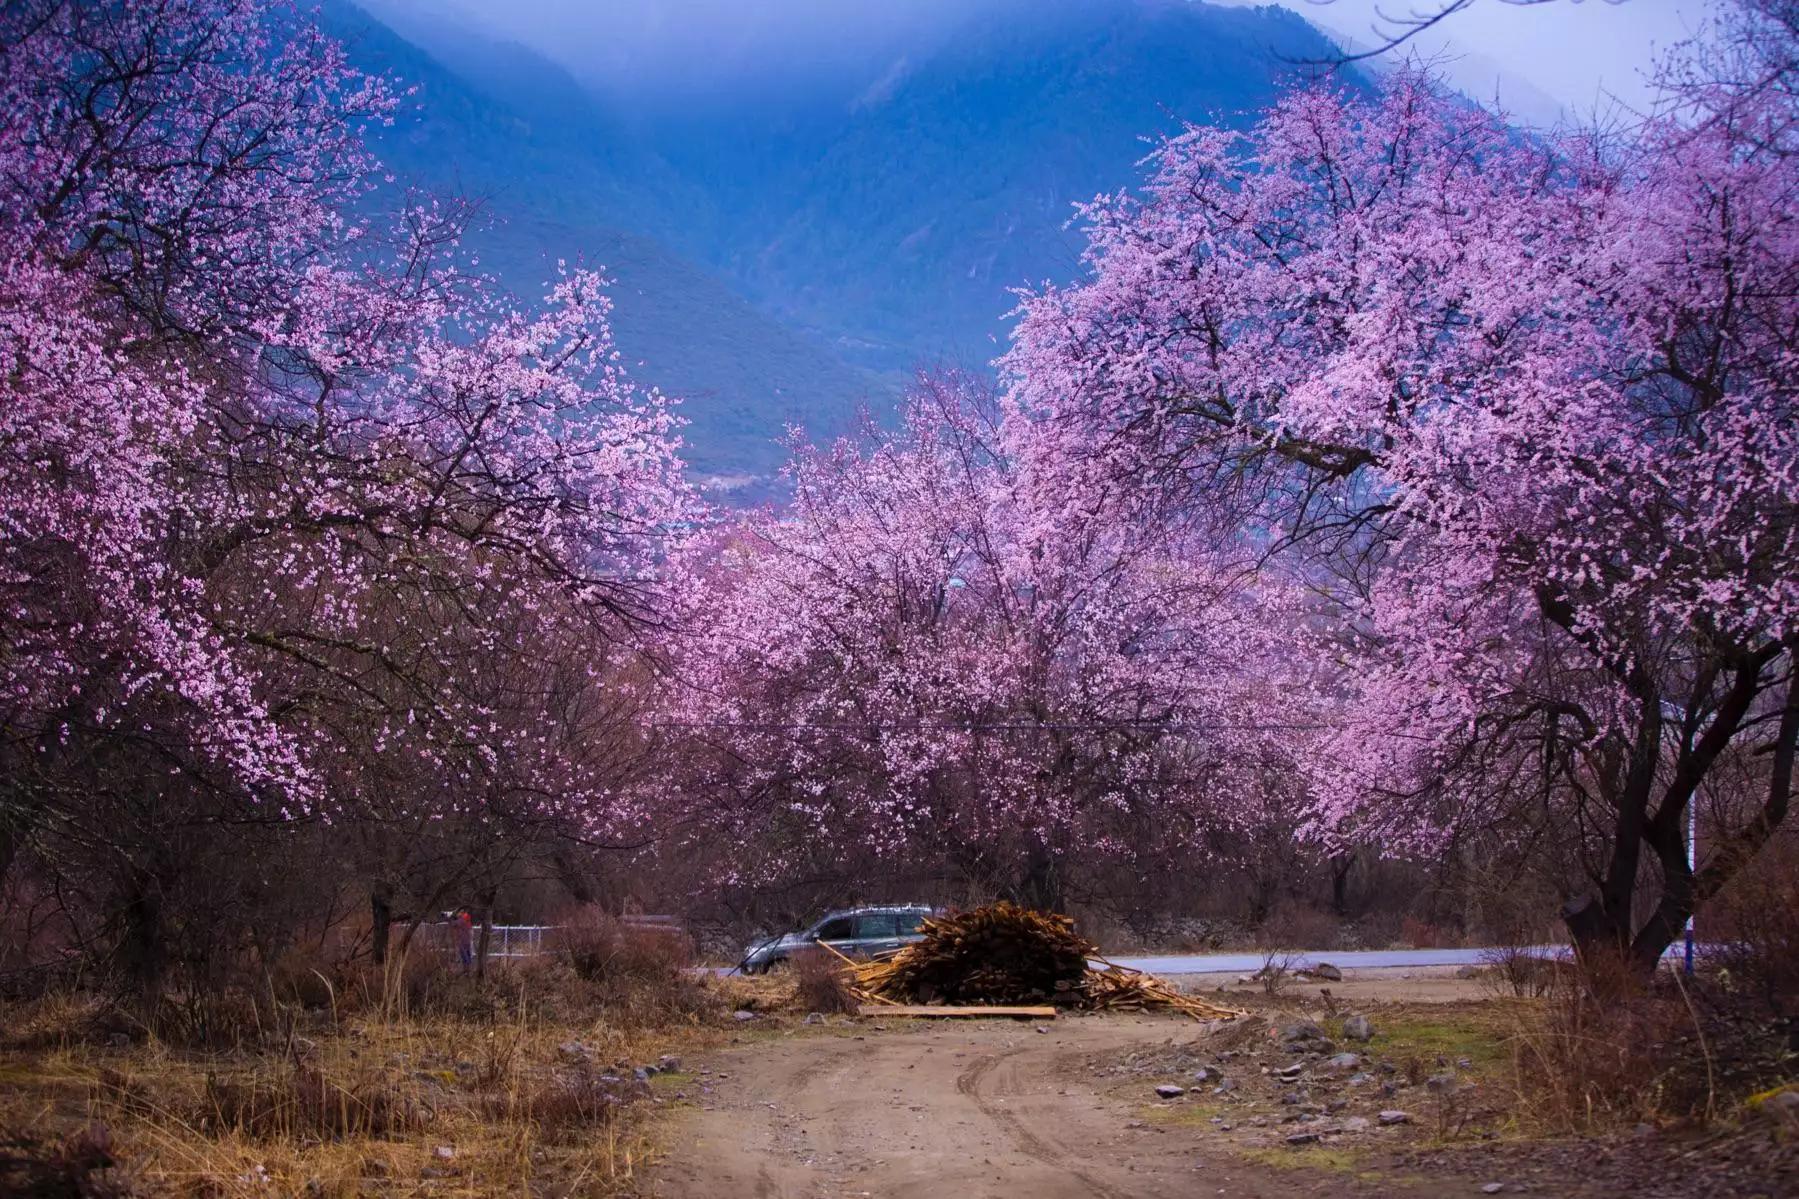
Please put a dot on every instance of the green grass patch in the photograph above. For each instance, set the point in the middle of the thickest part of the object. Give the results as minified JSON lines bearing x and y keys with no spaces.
{"x":1328,"y":1158}
{"x":1451,"y":1035}
{"x":1180,"y":1115}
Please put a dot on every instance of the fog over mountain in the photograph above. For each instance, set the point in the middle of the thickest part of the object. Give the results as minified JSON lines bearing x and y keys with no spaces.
{"x":803,"y":201}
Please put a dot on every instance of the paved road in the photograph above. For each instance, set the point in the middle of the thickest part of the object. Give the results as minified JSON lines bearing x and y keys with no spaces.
{"x":1356,"y":959}
{"x":1359,"y":959}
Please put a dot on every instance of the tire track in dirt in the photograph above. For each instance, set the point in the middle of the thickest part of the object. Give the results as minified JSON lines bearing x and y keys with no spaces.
{"x":983,"y":1109}
{"x":969,"y":1083}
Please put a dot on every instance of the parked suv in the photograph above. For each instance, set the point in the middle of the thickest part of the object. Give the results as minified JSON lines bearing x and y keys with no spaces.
{"x":853,"y":932}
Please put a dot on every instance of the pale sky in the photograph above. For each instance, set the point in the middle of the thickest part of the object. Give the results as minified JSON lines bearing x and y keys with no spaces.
{"x":1576,"y":54}
{"x":1563,"y":58}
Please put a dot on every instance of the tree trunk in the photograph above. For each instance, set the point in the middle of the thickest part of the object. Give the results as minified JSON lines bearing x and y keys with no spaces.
{"x":487,"y":902}
{"x":9,"y":848}
{"x":1600,"y":942}
{"x":381,"y":916}
{"x":141,"y":951}
{"x":1342,"y":865}
{"x":1040,"y":886}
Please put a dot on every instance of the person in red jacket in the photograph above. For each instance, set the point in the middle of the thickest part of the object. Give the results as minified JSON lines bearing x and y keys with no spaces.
{"x":465,"y":938}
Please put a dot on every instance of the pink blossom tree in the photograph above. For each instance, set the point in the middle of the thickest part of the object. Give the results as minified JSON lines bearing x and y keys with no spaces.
{"x":1523,"y":412}
{"x":286,"y":496}
{"x":915,"y":658}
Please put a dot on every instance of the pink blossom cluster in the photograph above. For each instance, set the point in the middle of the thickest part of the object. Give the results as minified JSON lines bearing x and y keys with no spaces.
{"x":285,"y":492}
{"x":1519,"y":410}
{"x":914,"y":658}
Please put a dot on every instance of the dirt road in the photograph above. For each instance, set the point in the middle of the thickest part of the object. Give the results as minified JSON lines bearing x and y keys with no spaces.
{"x":983,"y":1109}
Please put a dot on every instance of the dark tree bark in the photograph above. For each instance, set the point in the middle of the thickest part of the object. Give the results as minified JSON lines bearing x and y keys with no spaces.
{"x":142,"y":954}
{"x":381,"y":916}
{"x":487,"y":903}
{"x":1342,"y":866}
{"x":1653,"y":814}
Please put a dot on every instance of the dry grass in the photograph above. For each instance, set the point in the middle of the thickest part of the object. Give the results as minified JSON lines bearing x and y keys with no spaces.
{"x":1596,"y":1059}
{"x":523,"y":1085}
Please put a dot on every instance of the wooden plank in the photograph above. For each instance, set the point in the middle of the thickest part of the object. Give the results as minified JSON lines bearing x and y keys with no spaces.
{"x":922,"y":1009}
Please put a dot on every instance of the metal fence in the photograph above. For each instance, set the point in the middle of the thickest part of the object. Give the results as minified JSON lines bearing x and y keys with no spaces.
{"x":527,"y":940}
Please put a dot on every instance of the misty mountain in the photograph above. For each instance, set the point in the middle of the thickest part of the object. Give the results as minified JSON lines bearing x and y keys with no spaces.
{"x":792,"y":235}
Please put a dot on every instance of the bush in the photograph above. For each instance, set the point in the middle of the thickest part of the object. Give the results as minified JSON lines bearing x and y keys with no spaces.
{"x":1420,"y":934}
{"x":820,"y":985}
{"x":641,"y":976}
{"x":1614,"y":1051}
{"x":1755,"y":930}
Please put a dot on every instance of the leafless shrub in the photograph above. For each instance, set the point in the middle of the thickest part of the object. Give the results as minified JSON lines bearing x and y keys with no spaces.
{"x":1604,"y":1052}
{"x":820,"y":984}
{"x":1279,"y":969}
{"x":642,"y":976}
{"x":1755,"y":934}
{"x":1519,"y":971}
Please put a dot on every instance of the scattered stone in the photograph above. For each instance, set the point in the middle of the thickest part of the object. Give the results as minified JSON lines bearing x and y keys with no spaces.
{"x":1298,"y":1032}
{"x":1783,"y":1107}
{"x":1492,"y":1188}
{"x":1204,"y":1075}
{"x":1169,"y":1091}
{"x":1327,"y":972}
{"x":445,"y":1152}
{"x":1358,"y":1028}
{"x":1345,"y":1062}
{"x":1291,"y":1073}
{"x":1356,"y":1124}
{"x":742,"y":1014}
{"x":1395,"y":1116}
{"x":1302,"y":1138}
{"x":1225,"y":1087}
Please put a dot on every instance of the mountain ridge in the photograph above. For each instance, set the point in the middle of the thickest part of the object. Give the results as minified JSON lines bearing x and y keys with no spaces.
{"x":793,"y":257}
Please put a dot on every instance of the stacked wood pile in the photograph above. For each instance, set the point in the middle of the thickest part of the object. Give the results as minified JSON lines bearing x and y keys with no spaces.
{"x":1003,"y":954}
